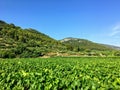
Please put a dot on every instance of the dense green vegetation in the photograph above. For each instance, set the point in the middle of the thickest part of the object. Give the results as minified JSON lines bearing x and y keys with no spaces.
{"x":26,"y":43}
{"x":83,"y":45}
{"x":18,"y":42}
{"x":60,"y":74}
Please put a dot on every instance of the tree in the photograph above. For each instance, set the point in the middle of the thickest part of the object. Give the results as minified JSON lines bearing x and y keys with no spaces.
{"x":117,"y":53}
{"x":20,"y":48}
{"x":7,"y":54}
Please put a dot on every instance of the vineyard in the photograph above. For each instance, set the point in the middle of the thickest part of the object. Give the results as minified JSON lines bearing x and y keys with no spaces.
{"x":93,"y":73}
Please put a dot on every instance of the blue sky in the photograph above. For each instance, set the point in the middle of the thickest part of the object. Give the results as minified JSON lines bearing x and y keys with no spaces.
{"x":95,"y":20}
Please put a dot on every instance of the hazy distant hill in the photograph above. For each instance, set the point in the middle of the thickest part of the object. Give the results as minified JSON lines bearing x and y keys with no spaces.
{"x":83,"y":44}
{"x":112,"y":46}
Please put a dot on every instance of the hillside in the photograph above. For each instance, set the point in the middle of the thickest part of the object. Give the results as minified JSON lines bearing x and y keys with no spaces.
{"x":18,"y":42}
{"x":26,"y":43}
{"x":85,"y":47}
{"x":112,"y":46}
{"x":83,"y":44}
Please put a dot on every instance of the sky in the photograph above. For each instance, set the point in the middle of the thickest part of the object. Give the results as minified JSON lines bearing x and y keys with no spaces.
{"x":95,"y":20}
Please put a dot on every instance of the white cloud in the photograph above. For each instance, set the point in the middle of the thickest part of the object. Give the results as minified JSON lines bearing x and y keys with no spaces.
{"x":115,"y":30}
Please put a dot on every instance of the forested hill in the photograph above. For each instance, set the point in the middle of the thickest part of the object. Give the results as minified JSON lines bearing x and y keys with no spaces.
{"x":18,"y":42}
{"x":24,"y":43}
{"x":83,"y":44}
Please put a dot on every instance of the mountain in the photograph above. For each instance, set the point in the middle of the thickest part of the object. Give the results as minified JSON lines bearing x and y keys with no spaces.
{"x":112,"y":46}
{"x":27,"y":43}
{"x":85,"y":47}
{"x":18,"y":42}
{"x":83,"y":44}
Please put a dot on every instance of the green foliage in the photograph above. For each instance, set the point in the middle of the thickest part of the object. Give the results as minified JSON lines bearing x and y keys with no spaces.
{"x":60,"y":74}
{"x":117,"y":53}
{"x":25,"y":42}
{"x":75,"y":44}
{"x":7,"y":54}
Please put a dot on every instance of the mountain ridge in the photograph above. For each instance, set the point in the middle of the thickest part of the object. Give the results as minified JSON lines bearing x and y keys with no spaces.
{"x":18,"y":42}
{"x":106,"y":45}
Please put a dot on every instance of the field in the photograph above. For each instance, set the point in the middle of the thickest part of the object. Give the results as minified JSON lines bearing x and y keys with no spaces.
{"x":93,"y":73}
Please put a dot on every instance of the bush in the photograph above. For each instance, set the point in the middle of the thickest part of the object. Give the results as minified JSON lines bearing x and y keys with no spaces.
{"x":117,"y":53}
{"x":7,"y":54}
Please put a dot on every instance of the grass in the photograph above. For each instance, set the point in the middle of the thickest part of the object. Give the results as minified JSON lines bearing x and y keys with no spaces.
{"x":60,"y":73}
